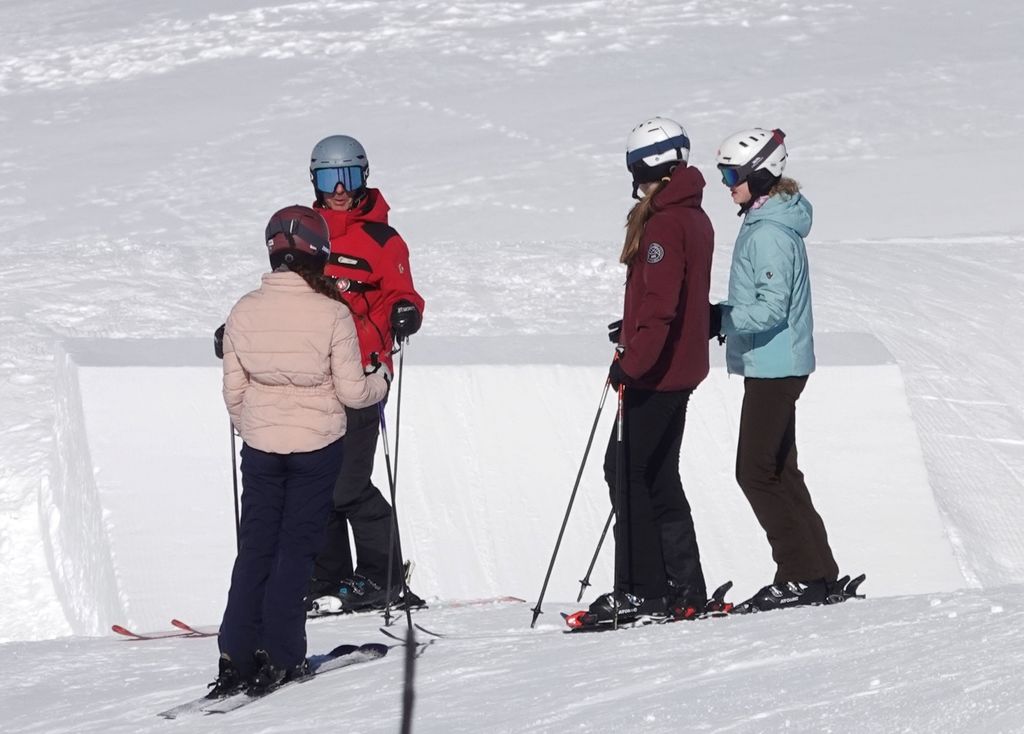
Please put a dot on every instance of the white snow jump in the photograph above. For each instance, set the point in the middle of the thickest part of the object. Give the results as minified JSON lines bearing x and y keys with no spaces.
{"x":140,"y":515}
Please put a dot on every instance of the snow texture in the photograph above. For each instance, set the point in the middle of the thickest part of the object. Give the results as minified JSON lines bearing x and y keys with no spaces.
{"x":142,"y":148}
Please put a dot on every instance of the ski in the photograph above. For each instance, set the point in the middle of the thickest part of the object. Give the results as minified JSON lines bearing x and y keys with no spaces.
{"x":481,"y":602}
{"x":340,"y":657}
{"x":196,"y":705}
{"x":584,"y":621}
{"x":192,"y":630}
{"x":125,"y":632}
{"x":183,"y":630}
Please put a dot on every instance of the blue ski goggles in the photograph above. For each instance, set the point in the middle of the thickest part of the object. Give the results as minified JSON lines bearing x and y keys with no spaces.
{"x":731,"y":175}
{"x":351,"y":178}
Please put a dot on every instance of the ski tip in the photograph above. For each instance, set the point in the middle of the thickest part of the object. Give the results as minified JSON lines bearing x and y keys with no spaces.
{"x":576,"y":619}
{"x":850,"y":590}
{"x":342,"y":650}
{"x":122,"y":631}
{"x":721,"y":591}
{"x":376,"y":649}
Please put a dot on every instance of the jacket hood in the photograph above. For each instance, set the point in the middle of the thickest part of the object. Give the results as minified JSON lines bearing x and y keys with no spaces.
{"x":685,"y":188}
{"x":794,"y":212}
{"x":373,"y":209}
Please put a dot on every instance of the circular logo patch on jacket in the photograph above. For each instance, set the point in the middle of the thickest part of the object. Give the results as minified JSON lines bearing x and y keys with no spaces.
{"x":655,"y":253}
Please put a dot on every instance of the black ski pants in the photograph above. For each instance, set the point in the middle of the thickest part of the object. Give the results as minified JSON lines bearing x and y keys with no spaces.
{"x":285,"y":500}
{"x":359,"y":503}
{"x":655,"y":541}
{"x":767,"y":471}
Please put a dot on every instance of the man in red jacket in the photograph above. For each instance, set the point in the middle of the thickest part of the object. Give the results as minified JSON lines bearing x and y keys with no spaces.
{"x":370,"y":261}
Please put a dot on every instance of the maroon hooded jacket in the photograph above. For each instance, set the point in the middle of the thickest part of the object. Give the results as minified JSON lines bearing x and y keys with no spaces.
{"x":374,"y":260}
{"x":665,"y":322}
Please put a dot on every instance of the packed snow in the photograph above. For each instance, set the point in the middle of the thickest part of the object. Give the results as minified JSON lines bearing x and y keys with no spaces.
{"x":144,"y":146}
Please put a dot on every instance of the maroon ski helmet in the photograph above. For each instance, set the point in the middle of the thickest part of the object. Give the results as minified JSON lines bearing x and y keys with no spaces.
{"x":298,"y":235}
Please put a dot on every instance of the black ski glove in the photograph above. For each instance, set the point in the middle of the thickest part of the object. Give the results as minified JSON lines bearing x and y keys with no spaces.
{"x":405,"y":320}
{"x":218,"y":341}
{"x":615,"y":331}
{"x":715,"y":331}
{"x":617,"y":376}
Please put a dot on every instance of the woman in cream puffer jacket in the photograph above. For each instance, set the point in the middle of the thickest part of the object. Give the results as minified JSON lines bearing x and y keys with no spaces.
{"x":291,"y":362}
{"x":291,"y":365}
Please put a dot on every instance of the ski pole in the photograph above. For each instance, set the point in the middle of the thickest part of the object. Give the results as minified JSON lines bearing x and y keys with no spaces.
{"x":572,"y":498}
{"x":408,"y":693}
{"x":585,"y":581}
{"x":394,"y":539}
{"x":234,"y":481}
{"x":619,"y":471}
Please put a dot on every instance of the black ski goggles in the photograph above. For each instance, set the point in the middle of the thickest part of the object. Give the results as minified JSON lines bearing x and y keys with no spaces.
{"x":351,"y":178}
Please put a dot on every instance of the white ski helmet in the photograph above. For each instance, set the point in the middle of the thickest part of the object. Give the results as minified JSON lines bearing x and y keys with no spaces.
{"x":654,"y":148}
{"x":747,"y":151}
{"x":345,"y":157}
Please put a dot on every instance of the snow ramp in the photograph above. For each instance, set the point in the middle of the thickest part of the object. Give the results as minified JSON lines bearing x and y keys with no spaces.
{"x":138,"y":511}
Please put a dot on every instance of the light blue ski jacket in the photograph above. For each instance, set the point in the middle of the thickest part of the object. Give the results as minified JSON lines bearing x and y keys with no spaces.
{"x":767,"y":319}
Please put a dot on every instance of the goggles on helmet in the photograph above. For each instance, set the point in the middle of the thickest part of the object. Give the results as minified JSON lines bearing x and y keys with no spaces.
{"x":735,"y":175}
{"x":730,"y":175}
{"x":351,"y":178}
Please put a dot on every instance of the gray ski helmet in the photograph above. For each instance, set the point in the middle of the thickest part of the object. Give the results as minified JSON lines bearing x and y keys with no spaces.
{"x":336,"y":151}
{"x":298,"y":235}
{"x":339,"y":151}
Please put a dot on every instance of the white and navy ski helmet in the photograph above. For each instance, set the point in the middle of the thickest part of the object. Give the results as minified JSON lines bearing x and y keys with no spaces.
{"x":345,"y":159}
{"x":654,"y":148}
{"x":298,"y":235}
{"x":747,"y":151}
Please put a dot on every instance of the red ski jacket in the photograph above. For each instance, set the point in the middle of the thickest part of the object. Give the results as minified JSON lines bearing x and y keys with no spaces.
{"x":665,"y":321}
{"x":371,"y":261}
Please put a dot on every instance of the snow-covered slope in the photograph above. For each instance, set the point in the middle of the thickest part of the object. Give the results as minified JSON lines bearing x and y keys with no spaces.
{"x":143,"y":145}
{"x":925,"y":663}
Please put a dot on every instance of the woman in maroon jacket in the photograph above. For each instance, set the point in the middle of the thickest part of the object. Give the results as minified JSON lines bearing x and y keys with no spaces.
{"x":663,"y":356}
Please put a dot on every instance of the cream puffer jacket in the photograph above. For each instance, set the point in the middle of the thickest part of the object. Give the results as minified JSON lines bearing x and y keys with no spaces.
{"x":291,"y":362}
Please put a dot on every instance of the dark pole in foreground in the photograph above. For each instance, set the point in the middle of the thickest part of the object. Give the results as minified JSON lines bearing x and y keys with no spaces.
{"x":408,"y":694}
{"x":572,"y":498}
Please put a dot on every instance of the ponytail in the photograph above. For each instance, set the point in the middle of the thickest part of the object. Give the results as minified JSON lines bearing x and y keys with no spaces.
{"x":322,"y":284}
{"x":636,"y":221}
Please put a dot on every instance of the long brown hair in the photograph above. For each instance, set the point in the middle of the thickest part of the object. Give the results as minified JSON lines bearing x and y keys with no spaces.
{"x":319,"y":282}
{"x":636,"y":220}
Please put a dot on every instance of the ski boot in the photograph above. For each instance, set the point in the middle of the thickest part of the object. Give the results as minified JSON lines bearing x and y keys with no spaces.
{"x":617,"y":608}
{"x":785,"y":594}
{"x":684,"y":602}
{"x":269,"y":676}
{"x":229,"y":679}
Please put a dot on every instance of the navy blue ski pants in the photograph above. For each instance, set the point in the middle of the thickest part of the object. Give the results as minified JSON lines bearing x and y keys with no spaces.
{"x":285,"y":502}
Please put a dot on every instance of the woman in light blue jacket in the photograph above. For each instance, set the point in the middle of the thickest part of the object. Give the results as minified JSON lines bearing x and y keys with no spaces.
{"x":769,"y":328}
